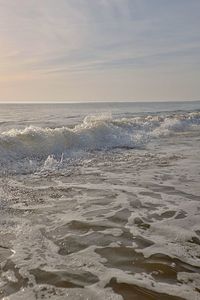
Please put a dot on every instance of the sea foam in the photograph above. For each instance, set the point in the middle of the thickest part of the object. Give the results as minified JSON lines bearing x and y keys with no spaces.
{"x":93,"y":134}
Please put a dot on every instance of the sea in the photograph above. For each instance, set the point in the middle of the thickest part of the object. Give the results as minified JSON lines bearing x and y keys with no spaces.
{"x":100,"y":201}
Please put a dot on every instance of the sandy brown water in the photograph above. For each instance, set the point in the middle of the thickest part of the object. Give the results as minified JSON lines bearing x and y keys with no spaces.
{"x":120,"y":225}
{"x":100,"y":201}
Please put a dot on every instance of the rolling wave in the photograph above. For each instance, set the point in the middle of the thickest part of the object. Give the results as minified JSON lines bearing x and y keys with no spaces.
{"x":94,"y":133}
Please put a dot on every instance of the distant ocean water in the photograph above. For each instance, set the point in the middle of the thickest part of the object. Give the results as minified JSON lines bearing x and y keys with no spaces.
{"x":100,"y":201}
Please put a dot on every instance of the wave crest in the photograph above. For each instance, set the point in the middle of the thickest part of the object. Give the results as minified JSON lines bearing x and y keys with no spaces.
{"x":94,"y":133}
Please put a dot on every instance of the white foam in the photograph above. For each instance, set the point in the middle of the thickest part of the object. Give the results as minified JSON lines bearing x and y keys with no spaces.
{"x":94,"y":133}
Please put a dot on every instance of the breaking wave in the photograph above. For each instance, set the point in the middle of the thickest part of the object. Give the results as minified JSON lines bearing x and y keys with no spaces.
{"x":93,"y":134}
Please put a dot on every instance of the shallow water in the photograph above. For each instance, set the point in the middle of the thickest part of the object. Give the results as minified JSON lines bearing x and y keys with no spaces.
{"x":107,"y":207}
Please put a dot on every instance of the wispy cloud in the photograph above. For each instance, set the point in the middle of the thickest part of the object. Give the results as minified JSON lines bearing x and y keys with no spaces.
{"x":47,"y":38}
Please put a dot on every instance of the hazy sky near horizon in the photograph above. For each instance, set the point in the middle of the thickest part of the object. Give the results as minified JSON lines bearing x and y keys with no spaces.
{"x":84,"y":50}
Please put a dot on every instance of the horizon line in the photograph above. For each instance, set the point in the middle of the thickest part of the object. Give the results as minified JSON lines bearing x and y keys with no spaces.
{"x":99,"y":101}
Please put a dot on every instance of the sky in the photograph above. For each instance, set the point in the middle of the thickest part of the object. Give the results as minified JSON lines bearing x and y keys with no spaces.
{"x":99,"y":50}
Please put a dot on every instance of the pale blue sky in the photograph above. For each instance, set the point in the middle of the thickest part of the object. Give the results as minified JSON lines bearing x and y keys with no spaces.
{"x":83,"y":50}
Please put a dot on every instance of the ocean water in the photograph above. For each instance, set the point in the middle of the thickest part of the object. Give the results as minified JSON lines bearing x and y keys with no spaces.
{"x":100,"y":201}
